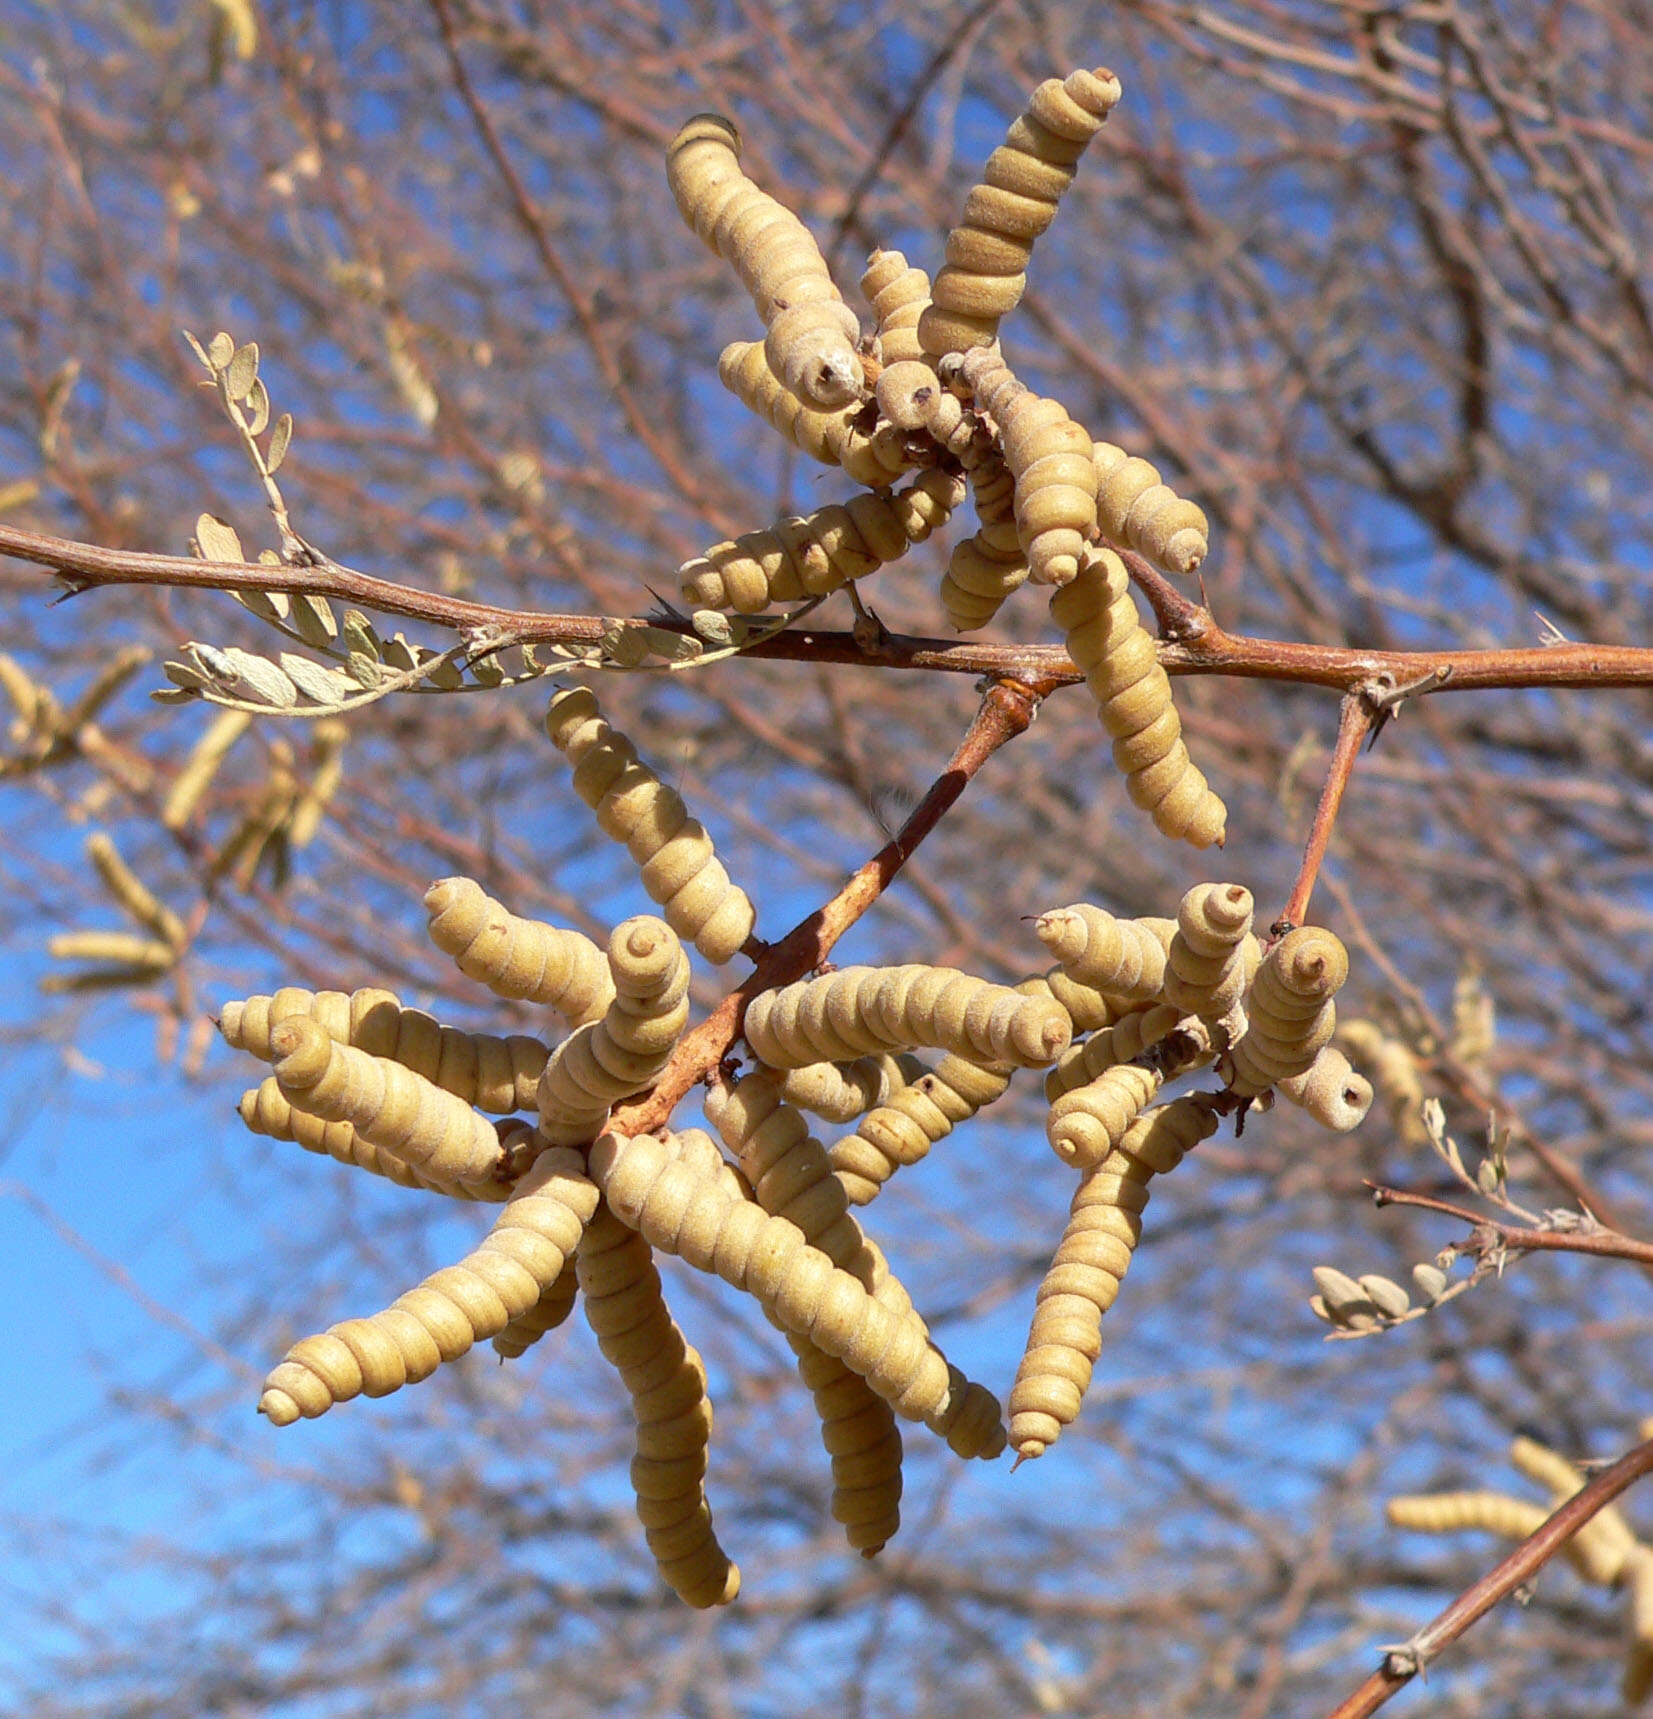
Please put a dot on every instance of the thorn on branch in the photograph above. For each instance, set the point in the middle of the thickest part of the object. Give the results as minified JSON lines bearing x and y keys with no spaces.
{"x":1383,"y":695}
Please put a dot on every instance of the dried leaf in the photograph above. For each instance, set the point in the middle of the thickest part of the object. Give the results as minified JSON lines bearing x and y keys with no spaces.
{"x":258,"y":406}
{"x":447,"y":674}
{"x":267,"y":605}
{"x":215,"y":539}
{"x":241,"y":371}
{"x":399,"y":654}
{"x":280,"y":437}
{"x":363,"y":669}
{"x":264,"y":680}
{"x":1386,"y":1296}
{"x":197,"y":348}
{"x":488,"y":671}
{"x":313,"y":620}
{"x":1431,"y":1281}
{"x":359,"y":635}
{"x":319,"y":684}
{"x":220,"y":350}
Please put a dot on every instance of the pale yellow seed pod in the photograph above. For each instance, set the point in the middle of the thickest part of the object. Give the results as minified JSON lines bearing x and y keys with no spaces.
{"x":812,"y":337}
{"x":1128,"y":1039}
{"x":693,"y":1215}
{"x":1089,"y":1122}
{"x":132,"y":894}
{"x":863,"y":1443}
{"x":550,"y":1311}
{"x":1123,"y":958}
{"x":1449,"y":1512}
{"x":1394,"y":1071}
{"x":1104,"y":1224}
{"x":1330,"y":1090}
{"x":518,"y":958}
{"x":1638,"y":1664}
{"x":1606,"y":1540}
{"x":626,"y":1309}
{"x":1134,"y":507}
{"x":861,"y":1009}
{"x":837,"y":438}
{"x":899,"y":294}
{"x":1289,"y":1008}
{"x":1105,"y":637}
{"x":678,"y":868}
{"x":1206,"y":966}
{"x":522,"y":1256}
{"x":819,"y":552}
{"x":387,"y":1105}
{"x":987,"y":254}
{"x":1087,"y":1007}
{"x":840,"y":1092}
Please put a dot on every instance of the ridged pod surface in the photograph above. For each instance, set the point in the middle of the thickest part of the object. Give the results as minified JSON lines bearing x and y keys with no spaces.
{"x":1126,"y":1040}
{"x":532,"y":1238}
{"x":1638,"y":1663}
{"x":1134,"y":506}
{"x":860,"y":1009}
{"x":1493,"y":1513}
{"x":1331,"y":1090}
{"x":987,"y":253}
{"x":813,"y":334}
{"x":899,"y":294}
{"x":493,"y":1073}
{"x":1087,"y":1007}
{"x":842,"y":1091}
{"x":623,"y":1053}
{"x":626,"y":1309}
{"x":1290,"y":1009}
{"x":1104,"y":1224}
{"x":551,"y":1310}
{"x":1212,"y":957}
{"x":1105,"y":637}
{"x":816,"y":553}
{"x":694,"y":1216}
{"x":1049,"y":456}
{"x":387,"y":1105}
{"x":1122,"y":958}
{"x":908,"y":1123}
{"x":679,"y":869}
{"x":1088,"y":1122}
{"x":1604,"y":1542}
{"x":522,"y":959}
{"x":266,"y":1110}
{"x":838,"y":438}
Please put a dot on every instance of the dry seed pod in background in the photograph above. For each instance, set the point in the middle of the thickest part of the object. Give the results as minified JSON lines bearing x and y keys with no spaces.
{"x":692,"y":1215}
{"x":1606,"y":1540}
{"x":131,"y":893}
{"x":389,"y":1106}
{"x":1104,"y":1224}
{"x":1638,"y":1664}
{"x":909,"y":1122}
{"x":1106,"y":639}
{"x":874,"y":458}
{"x":899,"y":294}
{"x":493,"y":1073}
{"x":1210,"y":961}
{"x":632,"y":804}
{"x":815,"y":554}
{"x":518,"y":958}
{"x":1050,"y":458}
{"x":521,"y":1256}
{"x":1135,"y":508}
{"x":813,"y":334}
{"x":267,"y":1111}
{"x":860,"y":1009}
{"x":551,"y":1310}
{"x":623,"y":1053}
{"x":842,"y":1091}
{"x":664,"y":1377}
{"x":1448,"y":1512}
{"x":1023,"y":182}
{"x":1330,"y":1090}
{"x":1122,"y":958}
{"x":1290,"y":1009}
{"x":1394,"y":1070}
{"x":202,"y":765}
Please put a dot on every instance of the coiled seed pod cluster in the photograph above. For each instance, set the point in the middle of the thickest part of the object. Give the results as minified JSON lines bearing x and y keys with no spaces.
{"x":1123,"y":958}
{"x":1290,"y":1009}
{"x":899,"y":294}
{"x":1135,"y":508}
{"x":1213,"y":955}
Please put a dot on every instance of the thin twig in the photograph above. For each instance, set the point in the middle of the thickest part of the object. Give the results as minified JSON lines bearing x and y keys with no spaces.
{"x":1518,"y":1238}
{"x":1401,"y":1665}
{"x":1354,"y":720}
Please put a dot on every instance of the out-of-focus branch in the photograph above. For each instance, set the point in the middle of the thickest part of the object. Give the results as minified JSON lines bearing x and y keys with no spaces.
{"x":1488,"y":1233}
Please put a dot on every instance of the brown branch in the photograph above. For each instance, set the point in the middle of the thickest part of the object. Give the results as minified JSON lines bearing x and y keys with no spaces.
{"x":1353,"y":723}
{"x":1518,"y":1238}
{"x":1006,"y":710}
{"x":1402,"y":1664}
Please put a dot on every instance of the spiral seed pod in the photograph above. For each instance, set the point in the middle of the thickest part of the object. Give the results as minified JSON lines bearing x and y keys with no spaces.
{"x":551,"y":1310}
{"x":518,"y":958}
{"x":840,"y":1092}
{"x":1638,"y":1663}
{"x":623,"y":1053}
{"x":493,"y":1073}
{"x":679,"y":869}
{"x":1104,"y":1224}
{"x":387,"y":1105}
{"x":1206,"y":967}
{"x":523,"y":1255}
{"x":1128,"y":1040}
{"x":982,"y":572}
{"x":1049,"y":456}
{"x":1134,"y":507}
{"x":1394,"y":1071}
{"x":1449,"y":1512}
{"x":627,"y":1312}
{"x":1330,"y":1090}
{"x":1122,"y":958}
{"x":1086,"y":1006}
{"x":840,"y":438}
{"x":267,"y":1111}
{"x":1023,"y":182}
{"x":862,"y":1009}
{"x":1604,"y":1542}
{"x":1089,"y":1122}
{"x":899,"y":294}
{"x":1290,"y":1009}
{"x":815,"y":554}
{"x":863,"y":1443}
{"x":904,"y":1128}
{"x":693,"y":1216}
{"x":1106,"y":639}
{"x":812,"y":337}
